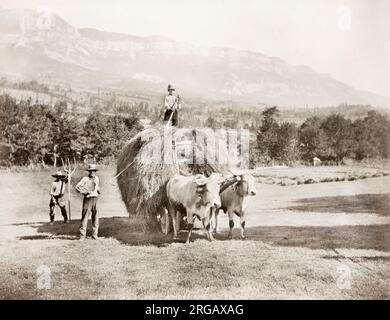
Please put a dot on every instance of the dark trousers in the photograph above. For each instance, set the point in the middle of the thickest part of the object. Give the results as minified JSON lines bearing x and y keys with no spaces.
{"x":59,"y":201}
{"x":89,"y":205}
{"x":174,"y":118}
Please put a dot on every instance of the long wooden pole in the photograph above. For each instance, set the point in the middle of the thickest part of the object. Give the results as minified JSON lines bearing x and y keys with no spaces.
{"x":69,"y":170}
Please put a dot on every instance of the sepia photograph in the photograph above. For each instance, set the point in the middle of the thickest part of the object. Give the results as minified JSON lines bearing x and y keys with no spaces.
{"x":195,"y":150}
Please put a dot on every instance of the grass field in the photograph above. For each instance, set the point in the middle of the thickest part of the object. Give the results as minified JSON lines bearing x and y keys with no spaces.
{"x":327,"y":240}
{"x":286,"y":176}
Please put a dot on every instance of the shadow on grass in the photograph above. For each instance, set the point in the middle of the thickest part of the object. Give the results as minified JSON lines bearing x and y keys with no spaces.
{"x":44,"y":237}
{"x":362,"y":203}
{"x":125,"y":230}
{"x":316,"y":237}
{"x":129,"y":232}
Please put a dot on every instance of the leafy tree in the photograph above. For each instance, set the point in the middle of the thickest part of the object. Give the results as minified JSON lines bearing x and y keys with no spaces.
{"x":338,"y":131}
{"x":269,"y":119}
{"x":267,"y":134}
{"x":8,"y":115}
{"x":312,"y":139}
{"x":360,"y":143}
{"x":67,"y":137}
{"x":376,"y":129}
{"x":28,"y":132}
{"x":60,"y":107}
{"x":105,"y":135}
{"x":287,"y":139}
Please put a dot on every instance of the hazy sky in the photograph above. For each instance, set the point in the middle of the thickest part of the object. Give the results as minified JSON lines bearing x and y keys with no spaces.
{"x":348,"y":39}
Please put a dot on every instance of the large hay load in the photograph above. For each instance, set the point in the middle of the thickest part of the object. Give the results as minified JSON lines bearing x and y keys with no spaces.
{"x":154,"y":155}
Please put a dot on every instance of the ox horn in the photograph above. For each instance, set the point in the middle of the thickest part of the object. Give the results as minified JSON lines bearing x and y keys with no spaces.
{"x":201,"y":181}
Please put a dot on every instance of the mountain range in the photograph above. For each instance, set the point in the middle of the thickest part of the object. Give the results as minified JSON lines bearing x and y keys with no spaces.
{"x":43,"y":46}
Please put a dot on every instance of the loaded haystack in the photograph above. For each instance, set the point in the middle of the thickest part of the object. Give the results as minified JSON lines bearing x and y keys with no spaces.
{"x":155,"y":155}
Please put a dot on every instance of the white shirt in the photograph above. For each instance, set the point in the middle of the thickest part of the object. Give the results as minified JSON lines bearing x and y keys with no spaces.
{"x":89,"y":186}
{"x":171,"y":102}
{"x":57,"y":188}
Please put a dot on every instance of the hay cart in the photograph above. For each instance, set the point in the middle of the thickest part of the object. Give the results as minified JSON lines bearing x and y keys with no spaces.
{"x":146,"y":164}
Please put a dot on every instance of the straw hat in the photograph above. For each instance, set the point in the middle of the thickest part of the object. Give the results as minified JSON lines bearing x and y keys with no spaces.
{"x":92,"y":167}
{"x":58,"y":174}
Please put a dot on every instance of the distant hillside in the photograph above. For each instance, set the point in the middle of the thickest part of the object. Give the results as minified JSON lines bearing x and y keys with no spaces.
{"x":47,"y":48}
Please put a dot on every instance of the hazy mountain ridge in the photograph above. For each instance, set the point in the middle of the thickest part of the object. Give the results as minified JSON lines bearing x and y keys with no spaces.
{"x":44,"y":46}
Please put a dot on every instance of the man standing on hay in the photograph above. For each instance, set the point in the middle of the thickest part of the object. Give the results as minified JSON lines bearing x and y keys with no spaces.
{"x":172,"y":105}
{"x":89,"y":187}
{"x":57,"y":193}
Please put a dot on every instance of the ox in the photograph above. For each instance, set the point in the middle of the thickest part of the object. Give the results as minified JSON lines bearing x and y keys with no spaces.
{"x":235,"y":194}
{"x":195,"y":195}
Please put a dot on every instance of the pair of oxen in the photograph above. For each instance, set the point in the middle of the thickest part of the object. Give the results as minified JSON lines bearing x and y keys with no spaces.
{"x":203,"y":197}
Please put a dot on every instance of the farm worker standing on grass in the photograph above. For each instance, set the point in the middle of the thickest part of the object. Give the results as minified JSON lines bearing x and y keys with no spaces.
{"x":89,"y":187}
{"x":57,"y":192}
{"x":171,"y":104}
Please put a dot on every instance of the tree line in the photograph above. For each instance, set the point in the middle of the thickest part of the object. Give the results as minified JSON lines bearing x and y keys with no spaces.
{"x":32,"y":85}
{"x":43,"y":134}
{"x":331,"y":138}
{"x":37,"y":133}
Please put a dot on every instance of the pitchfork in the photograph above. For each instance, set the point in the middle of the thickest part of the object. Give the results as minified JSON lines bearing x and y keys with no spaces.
{"x":69,"y":169}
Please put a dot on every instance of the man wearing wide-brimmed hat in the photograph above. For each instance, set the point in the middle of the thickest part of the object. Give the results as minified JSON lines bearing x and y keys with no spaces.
{"x":57,"y":192}
{"x":90,"y":189}
{"x":171,"y":104}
